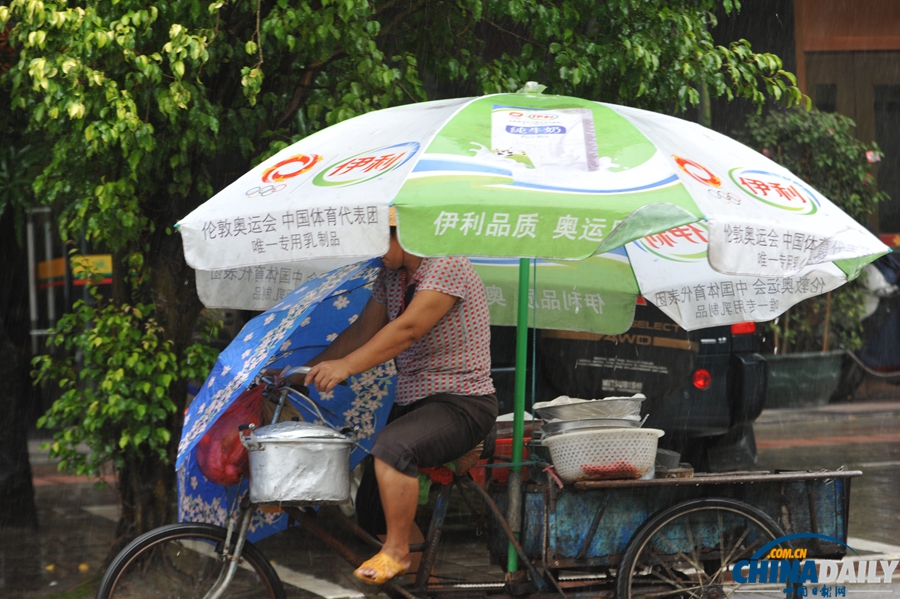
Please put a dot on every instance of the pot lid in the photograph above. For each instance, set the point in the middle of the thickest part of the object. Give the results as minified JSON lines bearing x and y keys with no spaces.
{"x":296,"y":431}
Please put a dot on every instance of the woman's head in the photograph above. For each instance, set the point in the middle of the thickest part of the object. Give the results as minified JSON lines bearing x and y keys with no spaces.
{"x":395,"y":255}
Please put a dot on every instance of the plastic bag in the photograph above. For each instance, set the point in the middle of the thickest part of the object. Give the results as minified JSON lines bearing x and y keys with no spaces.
{"x":222,"y":458}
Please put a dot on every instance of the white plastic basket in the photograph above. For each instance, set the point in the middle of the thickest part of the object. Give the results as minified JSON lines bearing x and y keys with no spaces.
{"x":604,"y":453}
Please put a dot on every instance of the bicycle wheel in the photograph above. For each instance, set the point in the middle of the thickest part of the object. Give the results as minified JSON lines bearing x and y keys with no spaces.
{"x":182,"y":561}
{"x":688,"y":550}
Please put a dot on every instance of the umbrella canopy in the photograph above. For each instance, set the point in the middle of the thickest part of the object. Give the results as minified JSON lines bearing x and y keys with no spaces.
{"x":289,"y":334}
{"x":520,"y":175}
{"x":552,"y":177}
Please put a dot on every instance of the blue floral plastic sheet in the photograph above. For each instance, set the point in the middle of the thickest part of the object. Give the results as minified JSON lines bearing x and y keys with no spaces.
{"x":289,"y":334}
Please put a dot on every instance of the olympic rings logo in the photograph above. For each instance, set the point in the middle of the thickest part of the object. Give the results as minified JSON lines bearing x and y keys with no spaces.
{"x":726,"y":196}
{"x":264,"y":190}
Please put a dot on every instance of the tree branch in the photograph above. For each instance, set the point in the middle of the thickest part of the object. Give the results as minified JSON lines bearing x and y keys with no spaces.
{"x":504,"y":30}
{"x":257,"y":35}
{"x":386,"y":30}
{"x":299,"y":93}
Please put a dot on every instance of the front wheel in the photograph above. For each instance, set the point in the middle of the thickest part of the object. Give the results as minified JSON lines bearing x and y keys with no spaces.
{"x":688,"y":550}
{"x":181,"y":561}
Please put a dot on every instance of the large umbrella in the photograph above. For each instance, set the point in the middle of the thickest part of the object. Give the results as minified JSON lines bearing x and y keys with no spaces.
{"x":532,"y":176}
{"x":527,"y":175}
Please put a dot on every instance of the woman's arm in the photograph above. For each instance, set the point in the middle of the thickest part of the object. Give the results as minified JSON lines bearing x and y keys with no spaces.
{"x":423,"y":312}
{"x":373,"y":317}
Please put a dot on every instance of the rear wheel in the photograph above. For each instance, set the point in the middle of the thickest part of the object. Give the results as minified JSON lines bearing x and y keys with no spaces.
{"x":688,"y":550}
{"x":182,"y":561}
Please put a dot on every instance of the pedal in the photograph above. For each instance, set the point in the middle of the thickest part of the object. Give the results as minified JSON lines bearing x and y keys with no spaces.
{"x":517,"y":584}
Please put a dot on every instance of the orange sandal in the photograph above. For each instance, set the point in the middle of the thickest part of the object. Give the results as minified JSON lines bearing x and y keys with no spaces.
{"x":384,"y":565}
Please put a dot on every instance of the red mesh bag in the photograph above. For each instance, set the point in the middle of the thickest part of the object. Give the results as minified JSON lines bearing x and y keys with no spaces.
{"x":220,"y":455}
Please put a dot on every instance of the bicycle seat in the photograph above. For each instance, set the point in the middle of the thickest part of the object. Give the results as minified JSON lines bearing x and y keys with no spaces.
{"x":461,"y":465}
{"x":484,"y":450}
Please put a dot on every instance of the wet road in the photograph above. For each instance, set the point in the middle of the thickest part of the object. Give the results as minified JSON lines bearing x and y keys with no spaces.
{"x":64,"y":559}
{"x":867,"y":441}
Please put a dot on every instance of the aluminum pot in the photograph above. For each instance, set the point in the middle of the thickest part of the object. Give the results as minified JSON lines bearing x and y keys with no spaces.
{"x":298,"y":463}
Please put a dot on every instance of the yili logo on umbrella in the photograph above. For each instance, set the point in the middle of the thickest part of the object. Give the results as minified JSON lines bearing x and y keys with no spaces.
{"x":274,"y":177}
{"x":775,"y":190}
{"x":367,"y":165}
{"x":687,"y":243}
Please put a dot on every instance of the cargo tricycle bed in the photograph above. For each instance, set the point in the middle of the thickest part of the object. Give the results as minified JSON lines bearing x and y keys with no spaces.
{"x":703,"y":536}
{"x":660,"y":535}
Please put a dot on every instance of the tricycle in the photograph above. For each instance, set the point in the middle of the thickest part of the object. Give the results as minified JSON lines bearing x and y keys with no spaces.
{"x":663,"y":537}
{"x":575,"y":223}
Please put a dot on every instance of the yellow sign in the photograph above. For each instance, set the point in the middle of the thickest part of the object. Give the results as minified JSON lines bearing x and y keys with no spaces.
{"x":99,"y":264}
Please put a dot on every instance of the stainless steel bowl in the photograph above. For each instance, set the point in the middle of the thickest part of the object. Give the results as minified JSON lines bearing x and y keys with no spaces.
{"x":505,"y":426}
{"x":556,"y":427}
{"x":598,"y":408}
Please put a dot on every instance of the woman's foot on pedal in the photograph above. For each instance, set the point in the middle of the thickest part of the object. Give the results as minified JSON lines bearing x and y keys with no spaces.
{"x":380,"y":569}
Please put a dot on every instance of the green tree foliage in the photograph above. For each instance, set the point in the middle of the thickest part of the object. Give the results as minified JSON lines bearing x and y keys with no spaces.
{"x":15,"y":179}
{"x":115,"y":367}
{"x":115,"y":396}
{"x":821,"y":149}
{"x":147,"y":108}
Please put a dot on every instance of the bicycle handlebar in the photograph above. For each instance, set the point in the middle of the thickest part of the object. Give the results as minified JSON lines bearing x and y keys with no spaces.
{"x":300,"y":370}
{"x":283,"y":388}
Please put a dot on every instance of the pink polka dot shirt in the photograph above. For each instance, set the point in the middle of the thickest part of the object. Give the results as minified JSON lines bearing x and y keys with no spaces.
{"x":455,"y":355}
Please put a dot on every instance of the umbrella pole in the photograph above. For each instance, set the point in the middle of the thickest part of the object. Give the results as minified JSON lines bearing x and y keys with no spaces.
{"x":514,"y":513}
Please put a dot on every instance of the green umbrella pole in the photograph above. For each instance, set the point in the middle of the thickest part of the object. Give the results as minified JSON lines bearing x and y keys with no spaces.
{"x":514,"y":514}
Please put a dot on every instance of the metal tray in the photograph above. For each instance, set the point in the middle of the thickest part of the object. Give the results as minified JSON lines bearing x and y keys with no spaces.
{"x":598,"y":408}
{"x":556,"y":427}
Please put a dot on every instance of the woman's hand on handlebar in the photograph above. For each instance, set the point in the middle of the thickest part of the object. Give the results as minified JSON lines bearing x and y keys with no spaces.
{"x":283,"y":376}
{"x":325,"y":376}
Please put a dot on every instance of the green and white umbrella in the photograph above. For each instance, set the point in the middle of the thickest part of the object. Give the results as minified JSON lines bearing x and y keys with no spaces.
{"x":616,"y":202}
{"x":707,"y":229}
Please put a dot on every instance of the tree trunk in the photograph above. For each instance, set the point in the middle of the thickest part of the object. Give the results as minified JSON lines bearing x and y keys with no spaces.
{"x":147,"y":487}
{"x":17,"y":395}
{"x":17,"y":508}
{"x":146,"y":492}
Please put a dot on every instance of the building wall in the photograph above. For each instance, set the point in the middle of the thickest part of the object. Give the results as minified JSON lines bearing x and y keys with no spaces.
{"x":848,"y":61}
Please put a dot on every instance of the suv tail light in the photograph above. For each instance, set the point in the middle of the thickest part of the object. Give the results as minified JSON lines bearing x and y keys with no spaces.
{"x":743,"y":328}
{"x":702,"y":379}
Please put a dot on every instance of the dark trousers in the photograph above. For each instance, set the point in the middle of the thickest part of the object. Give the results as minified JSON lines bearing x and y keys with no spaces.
{"x":427,"y":433}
